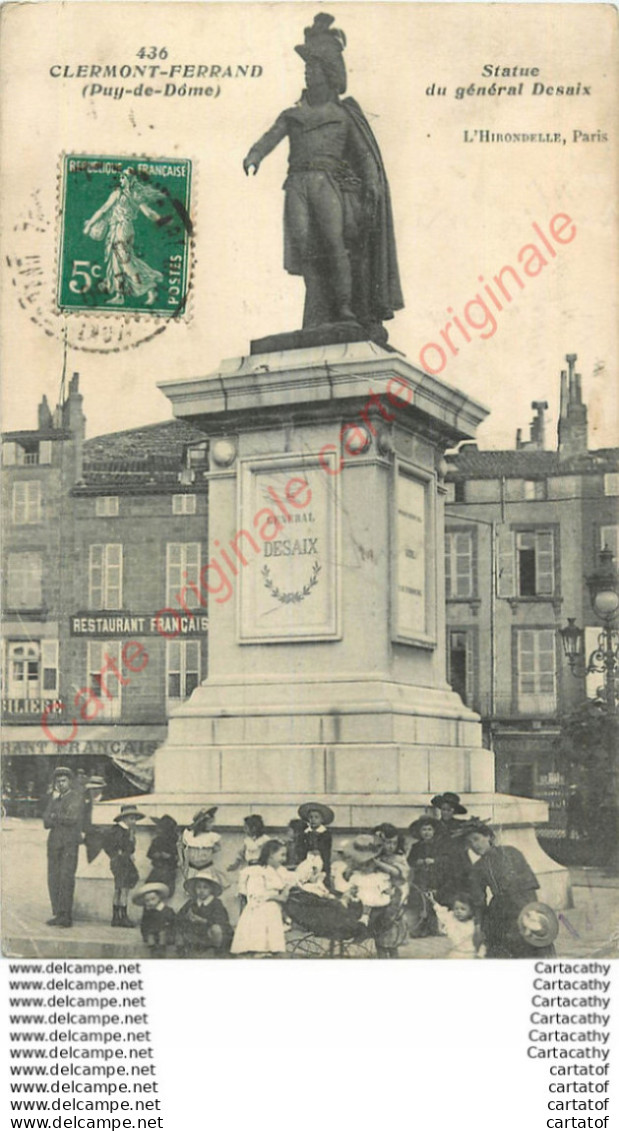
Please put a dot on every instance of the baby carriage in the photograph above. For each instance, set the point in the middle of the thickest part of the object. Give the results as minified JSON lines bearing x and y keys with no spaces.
{"x":326,"y":928}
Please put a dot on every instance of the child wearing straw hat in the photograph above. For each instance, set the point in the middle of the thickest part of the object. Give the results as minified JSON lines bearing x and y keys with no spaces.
{"x":119,"y":844}
{"x":316,"y":838}
{"x":202,"y":925}
{"x":158,"y":919}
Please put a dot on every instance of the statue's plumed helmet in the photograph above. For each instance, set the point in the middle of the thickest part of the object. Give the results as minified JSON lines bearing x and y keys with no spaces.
{"x":326,"y":43}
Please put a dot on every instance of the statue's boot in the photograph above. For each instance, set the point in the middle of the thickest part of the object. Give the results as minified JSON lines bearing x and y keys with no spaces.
{"x":316,"y":311}
{"x":342,"y":288}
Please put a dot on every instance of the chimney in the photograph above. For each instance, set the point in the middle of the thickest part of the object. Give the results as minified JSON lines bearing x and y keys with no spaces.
{"x":44,"y":416}
{"x":573,"y":439}
{"x":74,"y":421}
{"x":538,"y":425}
{"x":519,"y":443}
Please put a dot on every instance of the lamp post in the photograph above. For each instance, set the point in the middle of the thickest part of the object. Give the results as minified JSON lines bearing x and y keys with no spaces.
{"x":603,"y":586}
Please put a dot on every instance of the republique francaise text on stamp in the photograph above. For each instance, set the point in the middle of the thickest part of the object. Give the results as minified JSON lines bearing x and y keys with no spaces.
{"x":125,"y":234}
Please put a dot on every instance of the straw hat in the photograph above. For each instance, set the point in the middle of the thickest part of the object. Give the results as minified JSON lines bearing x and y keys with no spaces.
{"x":146,"y":889}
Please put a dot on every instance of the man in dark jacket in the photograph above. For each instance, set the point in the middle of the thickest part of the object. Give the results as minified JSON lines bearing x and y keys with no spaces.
{"x":64,"y":817}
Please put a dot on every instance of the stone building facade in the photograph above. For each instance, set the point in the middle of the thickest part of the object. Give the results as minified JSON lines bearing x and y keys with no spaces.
{"x":523,"y":530}
{"x":103,"y":539}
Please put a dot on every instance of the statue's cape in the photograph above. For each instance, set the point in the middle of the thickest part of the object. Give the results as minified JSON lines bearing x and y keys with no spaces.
{"x":384,"y":279}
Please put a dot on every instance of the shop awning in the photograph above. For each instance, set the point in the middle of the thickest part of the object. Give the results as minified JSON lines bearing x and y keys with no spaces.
{"x":131,"y":748}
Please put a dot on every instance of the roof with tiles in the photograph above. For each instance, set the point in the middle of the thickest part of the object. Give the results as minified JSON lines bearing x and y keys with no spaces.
{"x":152,"y":454}
{"x":528,"y":463}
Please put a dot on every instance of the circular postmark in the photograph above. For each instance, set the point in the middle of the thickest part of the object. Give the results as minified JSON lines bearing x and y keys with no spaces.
{"x":122,"y":276}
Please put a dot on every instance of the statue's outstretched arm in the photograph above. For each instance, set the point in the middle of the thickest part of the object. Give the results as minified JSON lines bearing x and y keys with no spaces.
{"x":266,"y":144}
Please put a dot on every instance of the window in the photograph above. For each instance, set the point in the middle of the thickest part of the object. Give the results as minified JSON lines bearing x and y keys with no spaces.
{"x":609,"y":539}
{"x":536,"y":671}
{"x":611,"y":483}
{"x":183,"y":504}
{"x":182,"y":668}
{"x":106,"y":506}
{"x":535,"y":488}
{"x":196,"y":455}
{"x":49,"y":667}
{"x":526,"y":563}
{"x":25,"y":581}
{"x":106,"y":687}
{"x":105,"y":576}
{"x":32,"y":669}
{"x":27,"y":502}
{"x":459,"y":580}
{"x":183,"y":569}
{"x":26,"y":454}
{"x":459,"y":664}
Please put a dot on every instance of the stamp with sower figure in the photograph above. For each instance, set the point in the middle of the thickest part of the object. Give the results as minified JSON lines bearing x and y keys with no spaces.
{"x":125,"y":235}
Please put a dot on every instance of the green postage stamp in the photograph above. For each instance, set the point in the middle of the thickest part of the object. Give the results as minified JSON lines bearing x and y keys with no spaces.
{"x":125,"y":235}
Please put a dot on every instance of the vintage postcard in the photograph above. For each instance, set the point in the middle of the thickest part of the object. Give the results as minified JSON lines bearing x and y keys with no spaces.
{"x":310,"y":481}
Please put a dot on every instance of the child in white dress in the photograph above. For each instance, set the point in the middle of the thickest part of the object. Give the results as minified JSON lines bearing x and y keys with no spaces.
{"x":260,"y":929}
{"x":253,"y":842}
{"x":460,"y":927}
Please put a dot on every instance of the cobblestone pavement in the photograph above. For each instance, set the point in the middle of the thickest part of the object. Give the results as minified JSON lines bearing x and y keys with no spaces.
{"x":589,"y":929}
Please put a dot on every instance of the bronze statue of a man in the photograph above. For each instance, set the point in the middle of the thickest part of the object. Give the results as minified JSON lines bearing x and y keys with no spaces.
{"x":338,"y":226}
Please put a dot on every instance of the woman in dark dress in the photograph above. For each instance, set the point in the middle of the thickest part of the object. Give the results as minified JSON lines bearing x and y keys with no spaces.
{"x":504,"y":872}
{"x":454,"y":861}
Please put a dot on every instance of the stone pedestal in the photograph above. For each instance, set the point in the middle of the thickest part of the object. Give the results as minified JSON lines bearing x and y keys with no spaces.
{"x":326,"y":600}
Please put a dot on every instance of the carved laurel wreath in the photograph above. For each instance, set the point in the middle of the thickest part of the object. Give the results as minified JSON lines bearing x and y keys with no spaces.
{"x":296,"y":596}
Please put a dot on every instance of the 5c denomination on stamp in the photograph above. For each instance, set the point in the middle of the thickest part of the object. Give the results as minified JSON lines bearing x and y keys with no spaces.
{"x":125,"y":232}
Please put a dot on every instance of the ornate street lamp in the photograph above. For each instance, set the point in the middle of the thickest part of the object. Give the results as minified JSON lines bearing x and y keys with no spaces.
{"x":572,"y":638}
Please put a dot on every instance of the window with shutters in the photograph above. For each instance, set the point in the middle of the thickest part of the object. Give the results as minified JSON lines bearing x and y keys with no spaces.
{"x":183,"y":504}
{"x":105,"y":569}
{"x":106,"y":506}
{"x":31,"y":671}
{"x":183,"y":570}
{"x":536,"y":671}
{"x":535,"y":488}
{"x":459,"y":572}
{"x":526,"y":563}
{"x":27,"y":508}
{"x":101,"y":680}
{"x":25,"y":581}
{"x":182,"y":668}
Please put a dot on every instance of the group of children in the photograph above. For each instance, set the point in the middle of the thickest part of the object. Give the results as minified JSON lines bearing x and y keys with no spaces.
{"x":369,"y":886}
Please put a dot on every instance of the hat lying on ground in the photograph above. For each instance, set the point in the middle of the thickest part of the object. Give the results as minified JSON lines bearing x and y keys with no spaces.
{"x":538,"y":924}
{"x":452,"y":799}
{"x":146,"y":889}
{"x":327,"y":815}
{"x":129,"y":811}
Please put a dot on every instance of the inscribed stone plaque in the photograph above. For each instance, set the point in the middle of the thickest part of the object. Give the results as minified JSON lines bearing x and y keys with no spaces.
{"x":413,"y":557}
{"x":290,"y":591}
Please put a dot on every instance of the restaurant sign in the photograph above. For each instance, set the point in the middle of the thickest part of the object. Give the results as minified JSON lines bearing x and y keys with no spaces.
{"x":167,"y":623}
